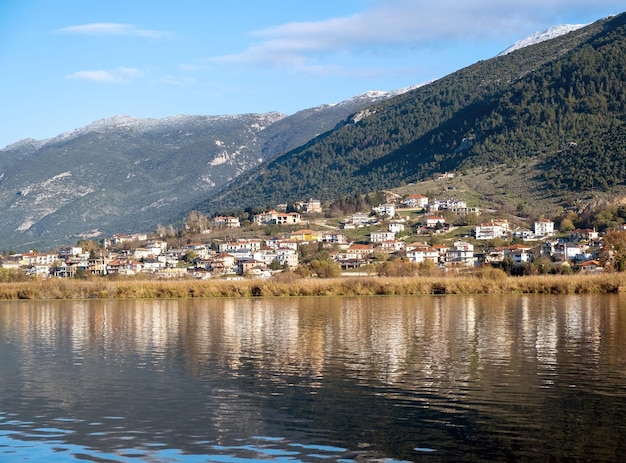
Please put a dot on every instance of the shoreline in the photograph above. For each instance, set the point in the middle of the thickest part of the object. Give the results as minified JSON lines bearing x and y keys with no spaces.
{"x":605,"y":283}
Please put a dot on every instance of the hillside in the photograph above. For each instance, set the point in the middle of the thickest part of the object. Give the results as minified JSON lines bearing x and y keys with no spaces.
{"x":124,"y":174}
{"x":558,"y":106}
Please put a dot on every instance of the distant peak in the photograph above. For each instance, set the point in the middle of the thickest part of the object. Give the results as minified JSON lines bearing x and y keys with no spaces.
{"x":28,"y":143}
{"x":538,"y":37}
{"x":123,"y":122}
{"x":377,"y":95}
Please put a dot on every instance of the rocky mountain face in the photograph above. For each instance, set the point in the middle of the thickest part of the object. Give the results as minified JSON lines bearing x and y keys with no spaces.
{"x":127,"y":174}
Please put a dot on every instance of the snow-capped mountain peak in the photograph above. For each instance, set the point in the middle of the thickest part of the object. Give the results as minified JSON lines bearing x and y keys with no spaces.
{"x":542,"y":36}
{"x":378,"y":95}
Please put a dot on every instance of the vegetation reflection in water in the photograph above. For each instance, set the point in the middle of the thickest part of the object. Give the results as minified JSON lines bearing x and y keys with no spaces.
{"x":483,"y":378}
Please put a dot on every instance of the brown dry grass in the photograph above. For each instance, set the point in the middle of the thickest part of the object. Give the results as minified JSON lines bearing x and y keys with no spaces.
{"x":352,"y":286}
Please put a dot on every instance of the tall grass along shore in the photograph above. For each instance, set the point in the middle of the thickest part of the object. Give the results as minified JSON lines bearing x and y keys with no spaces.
{"x":353,"y":286}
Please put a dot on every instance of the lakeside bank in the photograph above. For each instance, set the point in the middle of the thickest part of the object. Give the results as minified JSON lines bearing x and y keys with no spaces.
{"x":354,"y":286}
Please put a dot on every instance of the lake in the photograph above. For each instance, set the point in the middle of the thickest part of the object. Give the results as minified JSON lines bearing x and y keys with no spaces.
{"x":464,"y":379}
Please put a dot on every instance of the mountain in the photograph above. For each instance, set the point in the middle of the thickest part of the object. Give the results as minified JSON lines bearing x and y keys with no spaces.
{"x":125,"y":174}
{"x":551,"y":113}
{"x":305,"y":125}
{"x":538,"y":37}
{"x":547,"y":119}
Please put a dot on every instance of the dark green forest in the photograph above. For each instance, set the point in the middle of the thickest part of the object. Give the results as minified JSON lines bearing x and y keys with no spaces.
{"x":561,"y":103}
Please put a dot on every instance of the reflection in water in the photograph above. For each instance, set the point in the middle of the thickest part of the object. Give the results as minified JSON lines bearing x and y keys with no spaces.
{"x":464,"y":379}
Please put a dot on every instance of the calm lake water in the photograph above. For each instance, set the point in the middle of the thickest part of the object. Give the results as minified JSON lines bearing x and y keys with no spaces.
{"x":464,"y":379}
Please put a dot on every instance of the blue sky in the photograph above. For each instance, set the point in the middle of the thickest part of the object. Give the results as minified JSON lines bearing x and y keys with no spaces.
{"x":68,"y":63}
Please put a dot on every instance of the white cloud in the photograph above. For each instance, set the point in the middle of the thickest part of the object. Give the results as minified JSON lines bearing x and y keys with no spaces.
{"x":403,"y":23}
{"x":122,"y":75}
{"x":177,"y":81}
{"x":102,"y":29}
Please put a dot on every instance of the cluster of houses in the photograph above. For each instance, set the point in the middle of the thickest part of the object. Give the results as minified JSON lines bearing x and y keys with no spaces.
{"x":134,"y":254}
{"x":273,"y":217}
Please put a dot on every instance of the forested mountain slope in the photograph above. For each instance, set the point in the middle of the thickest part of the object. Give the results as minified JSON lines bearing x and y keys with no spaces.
{"x":559,"y":103}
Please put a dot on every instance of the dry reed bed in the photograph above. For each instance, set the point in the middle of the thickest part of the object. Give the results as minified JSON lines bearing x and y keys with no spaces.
{"x":353,"y":286}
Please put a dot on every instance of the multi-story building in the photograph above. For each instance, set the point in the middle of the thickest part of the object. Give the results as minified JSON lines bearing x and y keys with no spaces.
{"x":277,"y":218}
{"x":491,"y":230}
{"x":380,"y":236}
{"x":386,"y":209}
{"x":312,"y":206}
{"x":225,"y":222}
{"x":415,"y":201}
{"x":421,"y":253}
{"x":461,"y":254}
{"x":544,"y":227}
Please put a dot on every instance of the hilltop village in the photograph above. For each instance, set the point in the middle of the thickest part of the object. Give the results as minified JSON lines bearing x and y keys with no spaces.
{"x":404,"y":236}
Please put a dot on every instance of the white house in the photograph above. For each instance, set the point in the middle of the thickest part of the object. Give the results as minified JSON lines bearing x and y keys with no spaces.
{"x":585,"y":234}
{"x":118,"y":239}
{"x":379,"y":237}
{"x":353,"y":257}
{"x":226,"y":222}
{"x":239,"y":246}
{"x":392,"y":245}
{"x":564,"y":251}
{"x":274,"y":217}
{"x":35,"y":258}
{"x":385,"y":209}
{"x":358,"y":251}
{"x":360,"y":220}
{"x":288,"y":257}
{"x":153,"y":264}
{"x":338,"y":238}
{"x":461,"y":254}
{"x":396,"y":227}
{"x":266,"y":218}
{"x":433,"y":220}
{"x":201,"y":250}
{"x":157,"y":246}
{"x":415,"y":201}
{"x":544,"y":227}
{"x":276,"y":243}
{"x":70,"y":251}
{"x":312,"y":206}
{"x":491,"y":230}
{"x":523,"y":233}
{"x":284,"y":256}
{"x":288,"y":218}
{"x":143,"y":253}
{"x":221,"y":263}
{"x":449,"y":204}
{"x":422,"y":253}
{"x":519,"y":253}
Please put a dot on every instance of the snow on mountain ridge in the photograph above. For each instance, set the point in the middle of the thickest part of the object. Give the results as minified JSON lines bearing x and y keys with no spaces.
{"x":124,"y":122}
{"x":25,"y":144}
{"x":542,"y":36}
{"x":377,"y":95}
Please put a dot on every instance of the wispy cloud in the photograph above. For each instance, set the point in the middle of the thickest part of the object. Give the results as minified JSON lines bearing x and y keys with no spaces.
{"x":108,"y":29}
{"x":177,"y":81}
{"x":410,"y":24}
{"x":122,"y":75}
